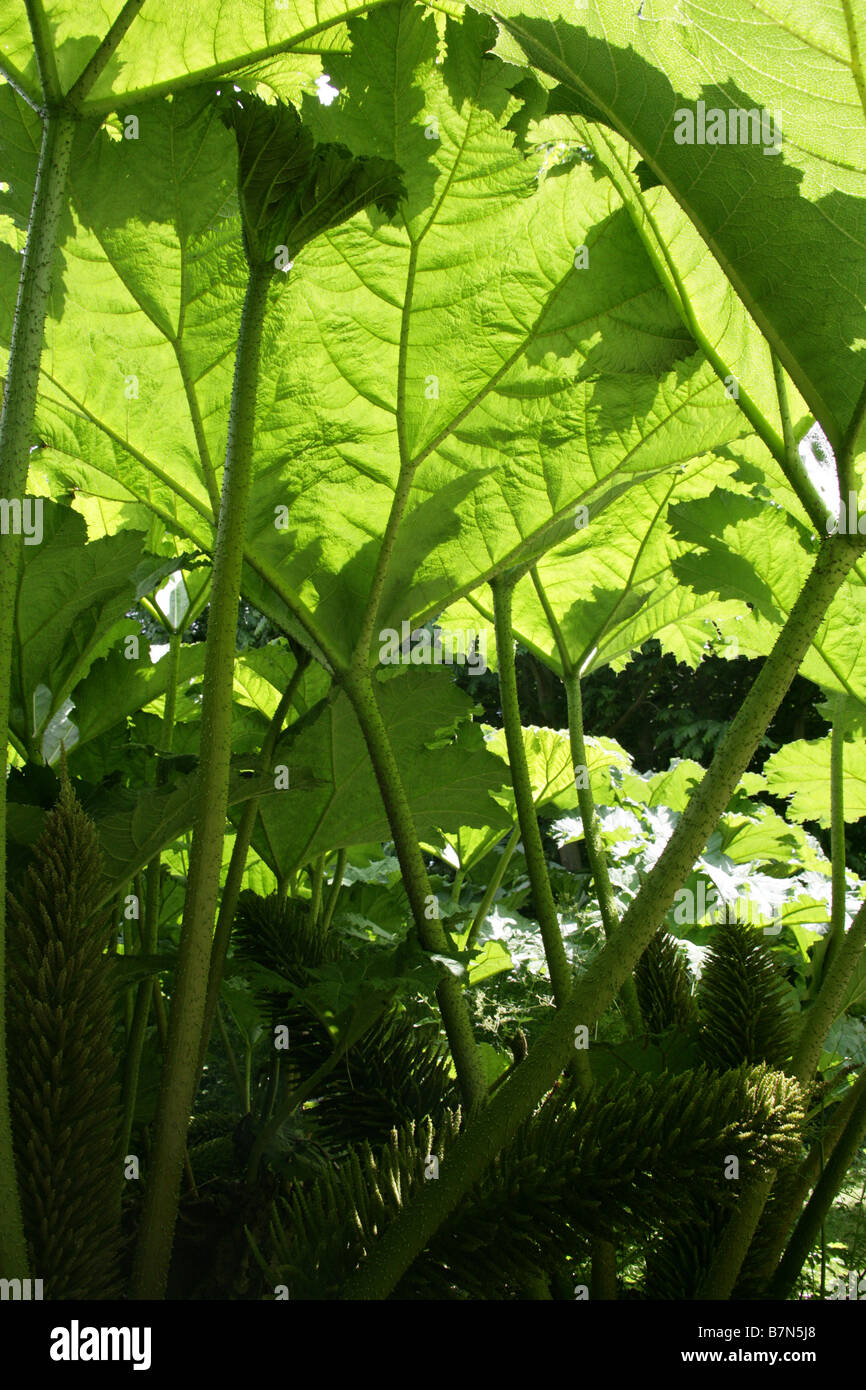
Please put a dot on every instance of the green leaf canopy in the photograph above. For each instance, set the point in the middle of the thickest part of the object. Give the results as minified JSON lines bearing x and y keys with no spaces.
{"x":444,"y":391}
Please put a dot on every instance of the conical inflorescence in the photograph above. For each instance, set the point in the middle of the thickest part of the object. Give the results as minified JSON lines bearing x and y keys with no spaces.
{"x":63,"y":1071}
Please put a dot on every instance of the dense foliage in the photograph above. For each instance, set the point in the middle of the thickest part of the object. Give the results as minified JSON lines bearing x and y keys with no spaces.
{"x":432,"y":652}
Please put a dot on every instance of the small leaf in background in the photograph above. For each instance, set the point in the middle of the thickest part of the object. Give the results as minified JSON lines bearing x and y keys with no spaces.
{"x":492,"y":959}
{"x":801,"y":772}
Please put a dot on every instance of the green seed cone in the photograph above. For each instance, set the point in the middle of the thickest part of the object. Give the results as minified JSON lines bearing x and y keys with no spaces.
{"x":664,"y":985}
{"x":625,"y":1162}
{"x":741,"y":1002}
{"x":64,"y":1090}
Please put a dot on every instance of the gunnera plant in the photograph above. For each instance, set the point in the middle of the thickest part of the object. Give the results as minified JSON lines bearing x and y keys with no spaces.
{"x":64,"y":1087}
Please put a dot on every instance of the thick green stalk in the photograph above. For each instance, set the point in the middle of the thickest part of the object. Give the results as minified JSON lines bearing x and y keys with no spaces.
{"x":542,"y":894}
{"x":317,"y":874}
{"x":150,"y":937}
{"x":721,"y":1277}
{"x":784,"y":1215}
{"x":358,"y":684}
{"x":230,"y":1054}
{"x":603,"y":1251}
{"x":536,"y":865}
{"x":515,"y":1101}
{"x":558,"y":967}
{"x":16,"y":437}
{"x":203,"y":880}
{"x":238,"y":863}
{"x":836,"y":934}
{"x":457,"y":886}
{"x":159,"y":1013}
{"x":471,"y":1077}
{"x":592,"y":836}
{"x":490,"y":892}
{"x":824,"y":1011}
{"x":829,"y":945}
{"x":103,"y":54}
{"x":603,"y":1285}
{"x":603,"y":1277}
{"x":591,"y":829}
{"x":336,"y":885}
{"x":812,"y":1218}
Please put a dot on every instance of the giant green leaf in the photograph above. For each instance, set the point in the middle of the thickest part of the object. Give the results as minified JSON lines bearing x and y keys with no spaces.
{"x":786,"y":227}
{"x":263,"y":673}
{"x":166,"y":47}
{"x":672,"y":788}
{"x":460,"y":361}
{"x":699,"y":290}
{"x":611,"y":586}
{"x":261,"y":676}
{"x":47,"y":47}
